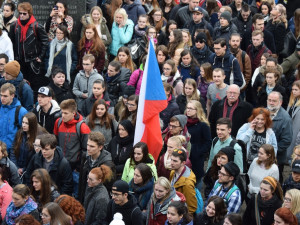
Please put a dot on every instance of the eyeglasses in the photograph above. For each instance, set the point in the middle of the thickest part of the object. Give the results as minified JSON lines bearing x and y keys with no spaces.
{"x":114,"y":194}
{"x":44,"y":215}
{"x":188,"y":108}
{"x":21,"y":13}
{"x":130,"y":105}
{"x":222,"y":174}
{"x":36,"y":146}
{"x":287,"y":199}
{"x":173,"y":126}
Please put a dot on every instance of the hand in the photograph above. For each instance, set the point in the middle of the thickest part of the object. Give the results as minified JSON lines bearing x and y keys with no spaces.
{"x":253,"y":124}
{"x":84,"y":95}
{"x":121,"y":25}
{"x":60,"y":14}
{"x":38,"y":59}
{"x":20,"y":171}
{"x":54,"y":12}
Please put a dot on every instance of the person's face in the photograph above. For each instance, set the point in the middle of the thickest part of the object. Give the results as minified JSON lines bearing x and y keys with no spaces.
{"x":222,"y":160}
{"x":260,"y":121}
{"x":263,"y":61}
{"x":262,"y":155}
{"x":132,"y":106}
{"x":171,"y":37}
{"x":43,"y":100}
{"x":224,"y":177}
{"x":25,"y":124}
{"x":296,"y":91}
{"x":122,"y":132}
{"x":7,"y":12}
{"x":172,"y":27}
{"x":118,"y":197}
{"x":297,"y":154}
{"x":245,"y":15}
{"x":7,"y":76}
{"x":257,"y":40}
{"x":287,"y":201}
{"x":89,"y":34}
{"x":96,"y":15}
{"x":275,"y":13}
{"x":87,"y":65}
{"x":119,"y":19}
{"x":227,"y":222}
{"x":137,"y":177}
{"x":172,"y":216}
{"x":175,"y":127}
{"x":67,"y":115}
{"x":197,"y":17}
{"x":93,"y":180}
{"x":157,"y":16}
{"x":188,"y":90}
{"x":187,"y":59}
{"x":223,"y":131}
{"x":6,"y":97}
{"x":278,"y":220}
{"x":93,"y":148}
{"x":199,"y":44}
{"x":223,"y":22}
{"x":98,"y":89}
{"x":59,"y":79}
{"x":46,"y":218}
{"x":100,"y":110}
{"x":111,"y":71}
{"x":202,"y":72}
{"x":238,"y":2}
{"x":59,"y":34}
{"x":210,"y":209}
{"x":48,"y":152}
{"x":264,"y":10}
{"x":159,"y":191}
{"x":185,"y":37}
{"x":219,"y":50}
{"x":176,"y":164}
{"x":2,"y":64}
{"x":273,"y":102}
{"x":259,"y":25}
{"x":37,"y":145}
{"x":193,"y":4}
{"x":270,"y":65}
{"x":296,"y":177}
{"x":138,"y":154}
{"x":167,"y":69}
{"x":160,"y":57}
{"x":36,"y":183}
{"x":152,"y":33}
{"x":265,"y":191}
{"x":218,"y":77}
{"x":60,"y":7}
{"x":191,"y":110}
{"x":171,"y":145}
{"x":18,"y":200}
{"x":142,"y":22}
{"x":235,"y":42}
{"x":122,"y":56}
{"x":24,"y":15}
{"x":232,"y":94}
{"x":270,"y":79}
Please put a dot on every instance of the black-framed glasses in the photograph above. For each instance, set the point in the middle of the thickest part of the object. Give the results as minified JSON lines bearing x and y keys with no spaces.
{"x":173,"y":126}
{"x":223,"y":174}
{"x":114,"y":194}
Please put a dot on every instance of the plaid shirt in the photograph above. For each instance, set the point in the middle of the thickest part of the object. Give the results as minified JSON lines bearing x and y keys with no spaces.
{"x":234,"y":201}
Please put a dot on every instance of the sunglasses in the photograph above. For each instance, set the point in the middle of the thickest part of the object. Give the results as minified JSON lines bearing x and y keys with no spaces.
{"x":200,"y":41}
{"x":24,"y":14}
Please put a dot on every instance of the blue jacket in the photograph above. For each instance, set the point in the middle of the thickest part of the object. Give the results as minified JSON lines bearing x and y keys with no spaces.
{"x":228,"y":63}
{"x":7,"y":119}
{"x":27,"y":94}
{"x":134,"y":10}
{"x":186,"y":72}
{"x":120,"y":36}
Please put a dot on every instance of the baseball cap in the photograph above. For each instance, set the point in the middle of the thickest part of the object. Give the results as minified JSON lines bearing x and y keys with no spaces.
{"x":296,"y":166}
{"x":121,"y":186}
{"x":198,"y":9}
{"x":45,"y":91}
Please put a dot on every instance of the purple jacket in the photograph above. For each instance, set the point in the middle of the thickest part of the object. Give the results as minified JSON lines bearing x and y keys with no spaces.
{"x":136,"y":80}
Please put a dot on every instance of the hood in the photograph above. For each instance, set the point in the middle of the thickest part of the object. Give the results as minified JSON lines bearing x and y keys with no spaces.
{"x":58,"y":154}
{"x":16,"y":81}
{"x":55,"y":107}
{"x":82,"y":73}
{"x":103,"y":157}
{"x":86,"y":19}
{"x":131,"y":204}
{"x":14,"y":104}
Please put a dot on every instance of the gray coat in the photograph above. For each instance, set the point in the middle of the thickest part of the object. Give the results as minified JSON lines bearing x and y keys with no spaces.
{"x":282,"y":127}
{"x":296,"y":129}
{"x":13,"y":178}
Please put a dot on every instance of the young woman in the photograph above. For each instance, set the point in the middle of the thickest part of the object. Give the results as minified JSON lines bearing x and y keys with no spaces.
{"x":157,"y":20}
{"x":91,"y":43}
{"x":60,"y":85}
{"x":96,"y":17}
{"x":269,"y":199}
{"x":43,"y":189}
{"x":72,"y":207}
{"x":8,"y":17}
{"x":124,"y":57}
{"x":257,"y":132}
{"x":284,"y":216}
{"x":161,"y":55}
{"x":176,"y":45}
{"x":139,"y":155}
{"x":5,"y":193}
{"x":265,"y":9}
{"x":53,"y":214}
{"x":120,"y":146}
{"x":296,"y":153}
{"x":294,"y":112}
{"x":262,"y":166}
{"x":187,"y":39}
{"x":96,"y":196}
{"x":205,"y":79}
{"x":140,"y":28}
{"x":177,"y":214}
{"x":167,"y":6}
{"x":100,"y":120}
{"x":233,"y":219}
{"x":198,"y":127}
{"x":150,"y":5}
{"x":61,"y":53}
{"x":172,"y":76}
{"x":292,"y":202}
{"x":26,"y":220}
{"x":58,"y":16}
{"x":121,"y":32}
{"x":214,"y":212}
{"x":141,"y":185}
{"x":188,"y":66}
{"x":21,"y":204}
{"x":163,"y":195}
{"x":131,"y":109}
{"x":163,"y":36}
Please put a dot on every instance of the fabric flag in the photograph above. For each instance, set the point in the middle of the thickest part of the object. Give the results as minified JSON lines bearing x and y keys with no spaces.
{"x":152,"y":101}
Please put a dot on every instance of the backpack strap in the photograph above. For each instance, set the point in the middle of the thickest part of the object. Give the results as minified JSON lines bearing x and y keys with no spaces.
{"x":229,"y":193}
{"x":232,"y":143}
{"x":17,"y":112}
{"x":20,"y":89}
{"x":59,"y":122}
{"x":243,"y":57}
{"x":133,"y":211}
{"x":214,"y":142}
{"x":78,"y":126}
{"x":140,"y":72}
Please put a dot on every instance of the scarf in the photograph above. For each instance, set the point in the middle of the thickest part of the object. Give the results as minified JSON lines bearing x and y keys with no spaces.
{"x":12,"y":212}
{"x":24,"y":28}
{"x":191,"y":121}
{"x":88,"y":45}
{"x":232,"y":109}
{"x":185,"y":66}
{"x":184,"y":132}
{"x":7,"y":19}
{"x":140,"y":32}
{"x":54,"y":46}
{"x":167,"y":161}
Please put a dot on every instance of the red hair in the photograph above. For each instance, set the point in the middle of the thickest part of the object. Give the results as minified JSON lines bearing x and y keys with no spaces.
{"x":266,"y":114}
{"x":26,"y":219}
{"x":103,"y":172}
{"x":287,"y":216}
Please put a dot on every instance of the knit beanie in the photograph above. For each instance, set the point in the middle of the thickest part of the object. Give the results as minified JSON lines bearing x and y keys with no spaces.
{"x":226,"y":15}
{"x":12,"y":68}
{"x":117,"y":219}
{"x":229,"y":151}
{"x":232,"y":169}
{"x":127,"y":126}
{"x":182,"y":120}
{"x":201,"y":37}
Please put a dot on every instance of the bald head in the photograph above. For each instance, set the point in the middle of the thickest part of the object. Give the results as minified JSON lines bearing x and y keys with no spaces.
{"x":233,"y":93}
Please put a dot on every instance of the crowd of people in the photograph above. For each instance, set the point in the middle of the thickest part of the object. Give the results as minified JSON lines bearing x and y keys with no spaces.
{"x":231,"y":74}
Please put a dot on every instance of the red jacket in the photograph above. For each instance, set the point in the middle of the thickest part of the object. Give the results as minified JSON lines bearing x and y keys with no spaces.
{"x":5,"y":198}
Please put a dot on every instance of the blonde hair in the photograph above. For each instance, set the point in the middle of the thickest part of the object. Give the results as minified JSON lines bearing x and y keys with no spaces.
{"x":200,"y":113}
{"x":282,"y":16}
{"x":295,"y":196}
{"x":165,"y":183}
{"x":292,"y":98}
{"x":297,"y":147}
{"x":179,"y":140}
{"x":190,"y":38}
{"x":99,"y":10}
{"x":192,"y":82}
{"x":122,"y":12}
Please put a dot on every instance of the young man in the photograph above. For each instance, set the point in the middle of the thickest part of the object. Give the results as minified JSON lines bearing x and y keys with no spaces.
{"x":3,"y":61}
{"x":243,"y":21}
{"x":47,"y":111}
{"x":226,"y":27}
{"x":293,"y":181}
{"x":124,"y":203}
{"x":84,"y":80}
{"x":51,"y":158}
{"x":226,"y":189}
{"x":184,"y":15}
{"x":96,"y":156}
{"x":201,"y":51}
{"x":183,"y":179}
{"x":224,"y":139}
{"x":217,"y":90}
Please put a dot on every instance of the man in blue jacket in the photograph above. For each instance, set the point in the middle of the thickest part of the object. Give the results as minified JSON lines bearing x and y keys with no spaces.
{"x":134,"y":9}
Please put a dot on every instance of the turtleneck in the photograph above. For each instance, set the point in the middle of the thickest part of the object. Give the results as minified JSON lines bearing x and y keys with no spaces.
{"x":7,"y":19}
{"x":24,"y":22}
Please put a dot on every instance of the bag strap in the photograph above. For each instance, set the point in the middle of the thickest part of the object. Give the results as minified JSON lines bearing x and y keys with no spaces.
{"x":60,"y":50}
{"x":257,"y":218}
{"x":16,"y":123}
{"x":243,"y":57}
{"x":140,"y":72}
{"x":215,"y":140}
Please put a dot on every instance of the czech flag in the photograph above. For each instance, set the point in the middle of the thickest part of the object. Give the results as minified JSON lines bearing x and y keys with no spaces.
{"x":152,"y":101}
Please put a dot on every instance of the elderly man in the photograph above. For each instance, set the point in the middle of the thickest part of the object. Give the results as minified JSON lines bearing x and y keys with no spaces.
{"x":282,"y":127}
{"x":231,"y":107}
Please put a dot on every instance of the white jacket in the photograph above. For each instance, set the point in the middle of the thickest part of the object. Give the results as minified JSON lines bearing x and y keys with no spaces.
{"x":6,"y":46}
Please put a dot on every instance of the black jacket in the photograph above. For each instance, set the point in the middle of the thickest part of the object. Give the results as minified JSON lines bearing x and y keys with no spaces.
{"x":175,"y":10}
{"x":60,"y":171}
{"x":279,"y":31}
{"x":225,"y":32}
{"x":289,"y":183}
{"x":192,"y":27}
{"x":62,"y":93}
{"x":182,"y":101}
{"x":203,"y":219}
{"x":203,"y":55}
{"x":171,"y":110}
{"x":88,"y":103}
{"x":242,"y":26}
{"x":263,"y":96}
{"x":35,"y":45}
{"x":184,"y":15}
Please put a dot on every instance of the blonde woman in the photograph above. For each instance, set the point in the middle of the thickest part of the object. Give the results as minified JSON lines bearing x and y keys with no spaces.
{"x":187,"y":39}
{"x":291,"y":201}
{"x":296,"y":153}
{"x":198,"y":127}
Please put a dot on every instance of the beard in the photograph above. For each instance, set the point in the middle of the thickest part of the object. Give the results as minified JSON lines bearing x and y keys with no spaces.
{"x":273,"y":108}
{"x":234,"y":50}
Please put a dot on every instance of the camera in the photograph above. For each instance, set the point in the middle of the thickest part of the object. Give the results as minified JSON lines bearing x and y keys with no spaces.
{"x":55,"y":7}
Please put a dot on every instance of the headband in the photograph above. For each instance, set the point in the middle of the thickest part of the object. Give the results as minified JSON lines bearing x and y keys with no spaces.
{"x":271,"y":181}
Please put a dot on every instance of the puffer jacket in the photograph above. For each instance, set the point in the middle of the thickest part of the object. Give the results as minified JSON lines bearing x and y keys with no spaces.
{"x":136,"y":80}
{"x":5,"y":198}
{"x":13,"y":178}
{"x":6,"y":46}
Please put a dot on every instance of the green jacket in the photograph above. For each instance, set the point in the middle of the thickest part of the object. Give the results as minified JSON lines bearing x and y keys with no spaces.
{"x":290,"y":63}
